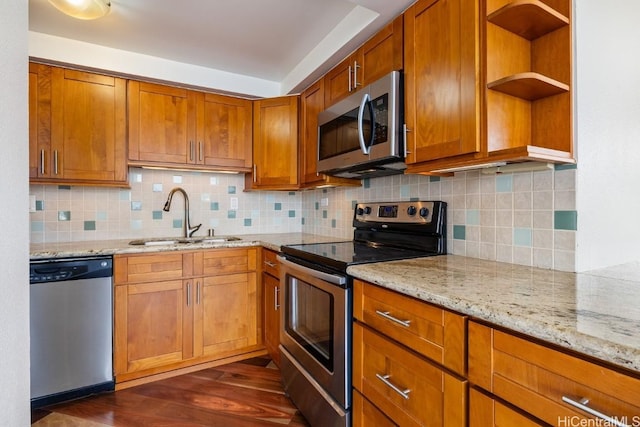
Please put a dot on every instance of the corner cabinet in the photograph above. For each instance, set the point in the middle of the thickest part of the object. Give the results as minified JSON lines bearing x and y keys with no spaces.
{"x":175,"y":127}
{"x":408,"y":361}
{"x":77,"y":127}
{"x":275,"y":145}
{"x":178,"y":309}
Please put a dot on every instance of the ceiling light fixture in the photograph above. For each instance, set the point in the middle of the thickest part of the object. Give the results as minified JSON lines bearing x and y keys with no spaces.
{"x":83,"y":9}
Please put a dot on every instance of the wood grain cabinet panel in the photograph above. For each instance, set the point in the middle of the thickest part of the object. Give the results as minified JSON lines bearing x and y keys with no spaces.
{"x":540,"y":380}
{"x":77,"y":127}
{"x":271,"y":304}
{"x":486,"y":411}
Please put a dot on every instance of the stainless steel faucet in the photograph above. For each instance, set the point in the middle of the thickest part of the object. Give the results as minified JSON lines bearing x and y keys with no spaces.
{"x":186,"y":224}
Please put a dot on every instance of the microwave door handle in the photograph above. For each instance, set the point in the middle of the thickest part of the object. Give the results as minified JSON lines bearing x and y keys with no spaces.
{"x":363,"y":145}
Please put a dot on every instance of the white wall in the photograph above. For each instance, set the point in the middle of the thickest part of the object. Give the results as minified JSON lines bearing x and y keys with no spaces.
{"x":608,"y":132}
{"x":14,"y":244}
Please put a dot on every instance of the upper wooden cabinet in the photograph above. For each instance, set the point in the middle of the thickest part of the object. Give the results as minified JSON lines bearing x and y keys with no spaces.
{"x":275,"y":144}
{"x":77,"y":127}
{"x":176,"y":127}
{"x":378,"y":56}
{"x":312,"y":103}
{"x":442,"y":71}
{"x":486,"y":85}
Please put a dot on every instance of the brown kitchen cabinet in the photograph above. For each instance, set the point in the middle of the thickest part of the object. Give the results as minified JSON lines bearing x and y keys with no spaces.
{"x":486,"y":411}
{"x":377,"y":57}
{"x":275,"y":144}
{"x":271,"y":308}
{"x":77,"y":127}
{"x":407,"y":355}
{"x":175,"y":127}
{"x":312,"y":103}
{"x":543,"y":381}
{"x":178,"y":309}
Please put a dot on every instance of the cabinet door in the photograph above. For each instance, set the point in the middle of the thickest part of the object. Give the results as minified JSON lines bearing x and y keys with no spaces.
{"x":275,"y":143}
{"x":161,"y":124}
{"x":339,"y":81}
{"x":381,"y":54}
{"x":312,"y":103}
{"x":224,"y":132}
{"x":365,"y":414}
{"x":442,"y":79}
{"x":40,"y":159}
{"x":226,"y":318}
{"x":88,"y":127}
{"x":153,"y":325}
{"x":271,"y":288}
{"x":484,"y":411}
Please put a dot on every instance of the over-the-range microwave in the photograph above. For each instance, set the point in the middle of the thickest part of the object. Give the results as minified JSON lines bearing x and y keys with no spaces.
{"x":362,"y":136}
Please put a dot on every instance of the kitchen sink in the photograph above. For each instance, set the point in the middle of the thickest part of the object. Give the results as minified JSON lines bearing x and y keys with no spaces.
{"x":183,"y":240}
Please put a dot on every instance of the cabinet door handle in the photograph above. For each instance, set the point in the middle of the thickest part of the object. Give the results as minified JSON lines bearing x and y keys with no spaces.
{"x":385,"y":379}
{"x":386,"y":315}
{"x":55,"y":162}
{"x":350,"y":85}
{"x":188,"y":294}
{"x":355,"y":74}
{"x":582,"y":405}
{"x":270,"y":264}
{"x":255,"y":172}
{"x":405,"y":130}
{"x":197,"y":292}
{"x":42,"y":159}
{"x":276,"y":298}
{"x":191,"y":151}
{"x":200,"y":150}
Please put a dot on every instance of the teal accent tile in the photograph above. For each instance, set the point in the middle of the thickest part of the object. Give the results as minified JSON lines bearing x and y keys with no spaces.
{"x":292,"y":214}
{"x":334,"y":223}
{"x":39,"y":205}
{"x":277,"y":206}
{"x":324,"y":191}
{"x":522,"y":236}
{"x":414,"y":199}
{"x":37,"y":225}
{"x":560,"y":167}
{"x":247,"y":222}
{"x":404,"y":191}
{"x":231,"y":214}
{"x":177,"y":223}
{"x":434,"y":179}
{"x":302,"y":221}
{"x":459,"y":232}
{"x":136,"y":206}
{"x":317,"y":205}
{"x":64,"y":187}
{"x":473,"y":217}
{"x":565,"y":220}
{"x":89,"y":226}
{"x":292,"y":193}
{"x":156,"y":214}
{"x":504,"y":183}
{"x":354,"y":203}
{"x":214,"y":206}
{"x":366,"y":183}
{"x":324,"y":214}
{"x":231,"y":189}
{"x":64,"y":215}
{"x":102,"y":216}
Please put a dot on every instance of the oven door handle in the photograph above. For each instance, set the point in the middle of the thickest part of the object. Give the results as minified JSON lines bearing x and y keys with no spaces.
{"x":327,"y":277}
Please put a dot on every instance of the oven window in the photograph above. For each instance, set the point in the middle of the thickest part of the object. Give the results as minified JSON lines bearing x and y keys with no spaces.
{"x":309,"y":319}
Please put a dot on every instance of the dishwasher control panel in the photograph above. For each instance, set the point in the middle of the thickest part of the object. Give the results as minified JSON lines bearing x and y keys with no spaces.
{"x":57,"y":270}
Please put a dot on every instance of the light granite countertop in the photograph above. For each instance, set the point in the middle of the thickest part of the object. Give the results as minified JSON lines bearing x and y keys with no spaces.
{"x":596,"y":313}
{"x":111,"y":247}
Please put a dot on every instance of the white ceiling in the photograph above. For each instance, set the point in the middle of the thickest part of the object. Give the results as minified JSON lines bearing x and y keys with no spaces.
{"x":290,"y":42}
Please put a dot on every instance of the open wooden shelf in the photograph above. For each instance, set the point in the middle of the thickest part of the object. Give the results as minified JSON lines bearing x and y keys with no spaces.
{"x":528,"y":18}
{"x":530,"y":86}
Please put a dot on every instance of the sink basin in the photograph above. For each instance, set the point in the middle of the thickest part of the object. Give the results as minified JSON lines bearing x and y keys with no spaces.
{"x":158,"y":241}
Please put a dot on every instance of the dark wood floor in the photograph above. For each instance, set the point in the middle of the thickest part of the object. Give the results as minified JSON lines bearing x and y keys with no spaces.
{"x":247,"y":393}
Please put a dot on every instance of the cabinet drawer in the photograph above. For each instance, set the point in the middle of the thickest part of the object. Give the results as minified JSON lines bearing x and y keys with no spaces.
{"x":539,"y":379}
{"x":270,"y":262}
{"x":151,"y":267}
{"x":407,"y":388}
{"x":365,"y":414}
{"x":485,"y":411}
{"x":226,"y":261}
{"x":429,"y":330}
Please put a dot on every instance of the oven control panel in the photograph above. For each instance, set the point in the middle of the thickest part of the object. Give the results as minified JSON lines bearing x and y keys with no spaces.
{"x":397,"y":212}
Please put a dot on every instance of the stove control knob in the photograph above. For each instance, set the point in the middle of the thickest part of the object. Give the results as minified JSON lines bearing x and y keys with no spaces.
{"x":424,"y":212}
{"x":367,"y":210}
{"x":411,"y":210}
{"x":359,"y":211}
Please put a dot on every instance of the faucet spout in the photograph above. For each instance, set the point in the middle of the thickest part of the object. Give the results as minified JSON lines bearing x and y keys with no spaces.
{"x":187,"y":229}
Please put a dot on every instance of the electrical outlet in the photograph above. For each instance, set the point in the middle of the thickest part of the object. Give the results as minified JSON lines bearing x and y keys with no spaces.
{"x":324,"y":201}
{"x":233,"y":203}
{"x":32,"y":203}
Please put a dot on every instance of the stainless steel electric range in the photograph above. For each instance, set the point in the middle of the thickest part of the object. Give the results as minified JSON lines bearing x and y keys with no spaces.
{"x":315,"y":336}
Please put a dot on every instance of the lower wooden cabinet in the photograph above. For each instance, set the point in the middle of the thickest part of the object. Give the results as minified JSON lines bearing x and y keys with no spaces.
{"x":549,"y":383}
{"x":485,"y":411}
{"x":365,"y":414}
{"x":271,"y":308}
{"x":177,"y":309}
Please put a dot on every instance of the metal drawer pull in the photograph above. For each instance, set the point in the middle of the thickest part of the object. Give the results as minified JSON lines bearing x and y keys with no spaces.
{"x":386,"y":315}
{"x":385,"y":379}
{"x":270,"y":264}
{"x":582,"y":404}
{"x":276,"y":297}
{"x":188,"y":294}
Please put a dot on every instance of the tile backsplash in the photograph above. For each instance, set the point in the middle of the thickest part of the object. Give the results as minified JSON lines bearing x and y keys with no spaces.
{"x":527,"y":218}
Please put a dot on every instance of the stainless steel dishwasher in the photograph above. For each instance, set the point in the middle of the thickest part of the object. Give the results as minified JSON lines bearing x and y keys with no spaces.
{"x":71,"y":323}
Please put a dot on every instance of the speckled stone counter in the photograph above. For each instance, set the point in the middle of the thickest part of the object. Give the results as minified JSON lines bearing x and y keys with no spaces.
{"x":595,"y":313}
{"x":111,"y":247}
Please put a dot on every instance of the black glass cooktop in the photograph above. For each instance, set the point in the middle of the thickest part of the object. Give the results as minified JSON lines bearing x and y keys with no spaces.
{"x":339,"y":255}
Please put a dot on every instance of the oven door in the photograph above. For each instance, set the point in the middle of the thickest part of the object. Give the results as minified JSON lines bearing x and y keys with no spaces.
{"x":316,"y":327}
